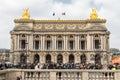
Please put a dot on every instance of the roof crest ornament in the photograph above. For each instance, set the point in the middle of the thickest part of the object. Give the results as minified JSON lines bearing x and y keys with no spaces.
{"x":25,"y":14}
{"x":94,"y":14}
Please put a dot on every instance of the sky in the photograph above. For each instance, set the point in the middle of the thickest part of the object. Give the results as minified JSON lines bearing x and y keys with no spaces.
{"x":74,"y":9}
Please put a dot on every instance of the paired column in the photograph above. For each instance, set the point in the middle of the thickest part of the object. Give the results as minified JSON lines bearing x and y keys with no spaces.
{"x":88,"y":41}
{"x":76,"y":42}
{"x":18,"y":47}
{"x":102,"y":43}
{"x":55,"y":42}
{"x":91,"y":42}
{"x":43,"y":42}
{"x":64,"y":42}
{"x":30,"y":42}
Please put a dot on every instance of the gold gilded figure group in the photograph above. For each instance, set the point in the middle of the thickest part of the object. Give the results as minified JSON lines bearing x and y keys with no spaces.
{"x":93,"y":14}
{"x":26,"y":14}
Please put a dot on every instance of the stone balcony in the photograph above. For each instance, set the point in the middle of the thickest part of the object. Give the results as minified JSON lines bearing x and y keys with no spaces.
{"x":54,"y":74}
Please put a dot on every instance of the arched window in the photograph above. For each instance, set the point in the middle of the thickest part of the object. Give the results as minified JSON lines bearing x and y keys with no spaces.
{"x":97,"y":59}
{"x":23,"y":59}
{"x":59,"y":59}
{"x":71,"y":58}
{"x":83,"y":58}
{"x":36,"y":58}
{"x":48,"y":58}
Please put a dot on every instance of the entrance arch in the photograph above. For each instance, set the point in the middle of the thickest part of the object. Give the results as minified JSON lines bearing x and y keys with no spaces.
{"x":23,"y":59}
{"x":36,"y":58}
{"x":48,"y":58}
{"x":59,"y":59}
{"x":97,"y":59}
{"x":83,"y":58}
{"x":71,"y":58}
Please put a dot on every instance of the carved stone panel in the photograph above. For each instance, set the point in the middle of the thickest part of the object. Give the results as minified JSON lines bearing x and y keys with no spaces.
{"x":60,"y":26}
{"x":48,"y":26}
{"x":37,"y":26}
{"x":81,"y":26}
{"x":71,"y":26}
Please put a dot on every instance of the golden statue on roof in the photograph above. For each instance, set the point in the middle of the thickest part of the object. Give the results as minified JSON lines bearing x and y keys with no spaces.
{"x":26,"y":14}
{"x":94,"y":14}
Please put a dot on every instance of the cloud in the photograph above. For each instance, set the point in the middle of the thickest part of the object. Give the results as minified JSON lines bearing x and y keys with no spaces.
{"x":43,"y":9}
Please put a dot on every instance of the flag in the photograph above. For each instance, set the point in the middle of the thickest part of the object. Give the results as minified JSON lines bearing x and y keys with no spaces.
{"x":63,"y":13}
{"x":53,"y":14}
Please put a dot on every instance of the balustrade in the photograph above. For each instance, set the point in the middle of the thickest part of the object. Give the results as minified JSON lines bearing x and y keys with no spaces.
{"x":55,"y":74}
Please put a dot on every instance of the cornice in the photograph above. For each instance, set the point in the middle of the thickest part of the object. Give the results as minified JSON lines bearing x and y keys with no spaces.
{"x":23,"y":20}
{"x":60,"y":21}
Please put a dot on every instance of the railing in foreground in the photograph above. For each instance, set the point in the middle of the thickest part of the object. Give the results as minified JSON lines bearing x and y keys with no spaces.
{"x":54,"y":74}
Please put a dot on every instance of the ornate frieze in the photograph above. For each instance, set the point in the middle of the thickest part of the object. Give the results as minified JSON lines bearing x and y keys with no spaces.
{"x":37,"y":26}
{"x":71,"y":26}
{"x":48,"y":26}
{"x":60,"y":26}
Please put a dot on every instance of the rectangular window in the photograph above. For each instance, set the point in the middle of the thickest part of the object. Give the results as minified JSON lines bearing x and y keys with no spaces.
{"x":48,"y":44}
{"x":97,"y":44}
{"x":71,"y":43}
{"x":59,"y":45}
{"x":83,"y":45}
{"x":23,"y":44}
{"x":36,"y":44}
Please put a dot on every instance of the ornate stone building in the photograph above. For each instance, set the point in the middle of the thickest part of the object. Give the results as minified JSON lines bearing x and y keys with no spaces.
{"x":60,"y":41}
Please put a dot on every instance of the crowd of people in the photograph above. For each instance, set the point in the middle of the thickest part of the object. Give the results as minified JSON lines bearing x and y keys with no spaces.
{"x":61,"y":66}
{"x":69,"y":66}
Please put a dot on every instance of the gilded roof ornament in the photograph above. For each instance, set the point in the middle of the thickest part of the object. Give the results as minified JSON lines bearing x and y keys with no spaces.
{"x":26,"y":14}
{"x":94,"y":14}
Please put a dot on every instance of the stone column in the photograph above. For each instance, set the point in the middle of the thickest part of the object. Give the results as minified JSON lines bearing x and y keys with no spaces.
{"x":55,"y":43}
{"x":101,"y":45}
{"x":15,"y":42}
{"x":78,"y":47}
{"x":92,"y":43}
{"x":18,"y":47}
{"x":27,"y":42}
{"x":108,"y":44}
{"x":85,"y":44}
{"x":66,"y":42}
{"x":31,"y":42}
{"x":12,"y":44}
{"x":104,"y":44}
{"x":88,"y":42}
{"x":43,"y":40}
{"x":76,"y":42}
